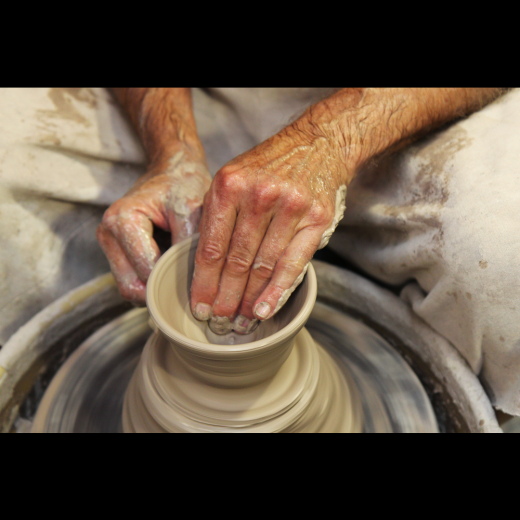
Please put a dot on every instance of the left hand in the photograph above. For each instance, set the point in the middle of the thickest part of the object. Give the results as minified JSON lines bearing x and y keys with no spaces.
{"x":265,"y":215}
{"x":170,"y":196}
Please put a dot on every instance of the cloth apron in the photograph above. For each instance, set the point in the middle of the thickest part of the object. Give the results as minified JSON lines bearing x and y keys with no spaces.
{"x":438,"y":219}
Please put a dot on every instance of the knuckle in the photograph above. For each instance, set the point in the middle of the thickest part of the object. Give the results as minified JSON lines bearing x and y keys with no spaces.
{"x":228,"y":180}
{"x":111,"y":216}
{"x":291,"y":267}
{"x":294,"y":200}
{"x":108,"y":221}
{"x":210,"y":252}
{"x":266,"y":195}
{"x":238,"y":264}
{"x":322,"y":215}
{"x":263,"y":270}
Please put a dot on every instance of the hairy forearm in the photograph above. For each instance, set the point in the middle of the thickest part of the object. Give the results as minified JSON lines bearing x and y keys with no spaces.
{"x":163,"y":118}
{"x":366,"y":123}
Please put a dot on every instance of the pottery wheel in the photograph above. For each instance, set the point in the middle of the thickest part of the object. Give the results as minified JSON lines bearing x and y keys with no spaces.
{"x":87,"y":393}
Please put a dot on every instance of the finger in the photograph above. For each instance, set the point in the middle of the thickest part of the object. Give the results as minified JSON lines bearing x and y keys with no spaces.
{"x":133,"y":231}
{"x":278,"y":236}
{"x":218,"y":221}
{"x":127,"y":280}
{"x":288,"y":273}
{"x":247,"y":236}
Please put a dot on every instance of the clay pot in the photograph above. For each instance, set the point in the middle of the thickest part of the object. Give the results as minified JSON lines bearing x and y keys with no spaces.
{"x":275,"y":379}
{"x":241,"y":360}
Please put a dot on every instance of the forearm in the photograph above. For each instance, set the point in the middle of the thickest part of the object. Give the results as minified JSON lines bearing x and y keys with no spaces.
{"x":365,"y":123}
{"x":169,"y":195}
{"x":164,"y":120}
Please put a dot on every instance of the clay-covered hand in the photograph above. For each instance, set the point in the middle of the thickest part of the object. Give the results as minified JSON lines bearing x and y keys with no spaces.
{"x":265,"y":215}
{"x":170,"y":196}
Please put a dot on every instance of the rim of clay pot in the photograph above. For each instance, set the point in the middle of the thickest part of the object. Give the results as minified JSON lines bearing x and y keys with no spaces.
{"x":270,"y":341}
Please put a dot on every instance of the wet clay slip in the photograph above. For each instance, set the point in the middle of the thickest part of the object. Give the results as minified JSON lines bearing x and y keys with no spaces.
{"x":276,"y":379}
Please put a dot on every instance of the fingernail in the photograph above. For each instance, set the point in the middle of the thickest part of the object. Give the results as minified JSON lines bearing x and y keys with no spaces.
{"x":202,"y":311}
{"x":262,"y":310}
{"x":243,"y":325}
{"x":220,"y":325}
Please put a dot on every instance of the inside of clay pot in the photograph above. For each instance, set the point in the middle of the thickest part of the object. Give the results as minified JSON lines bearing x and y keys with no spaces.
{"x":171,"y":295}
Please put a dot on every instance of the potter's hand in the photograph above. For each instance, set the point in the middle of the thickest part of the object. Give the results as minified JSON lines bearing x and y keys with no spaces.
{"x":170,"y":196}
{"x":265,"y":215}
{"x":268,"y":210}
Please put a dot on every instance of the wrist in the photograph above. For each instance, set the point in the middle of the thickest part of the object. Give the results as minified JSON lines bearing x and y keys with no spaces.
{"x":164,"y":134}
{"x":331,"y":128}
{"x":164,"y":119}
{"x":180,"y":155}
{"x":175,"y":151}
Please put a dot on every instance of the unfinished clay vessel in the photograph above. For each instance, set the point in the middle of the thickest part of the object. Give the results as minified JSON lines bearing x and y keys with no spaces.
{"x":192,"y":380}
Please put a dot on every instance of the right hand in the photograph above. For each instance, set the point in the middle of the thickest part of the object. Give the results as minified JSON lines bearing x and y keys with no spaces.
{"x":265,"y":215}
{"x":169,"y":195}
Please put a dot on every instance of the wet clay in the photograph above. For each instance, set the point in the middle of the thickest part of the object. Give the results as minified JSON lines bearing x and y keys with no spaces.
{"x":276,"y":379}
{"x":339,"y":211}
